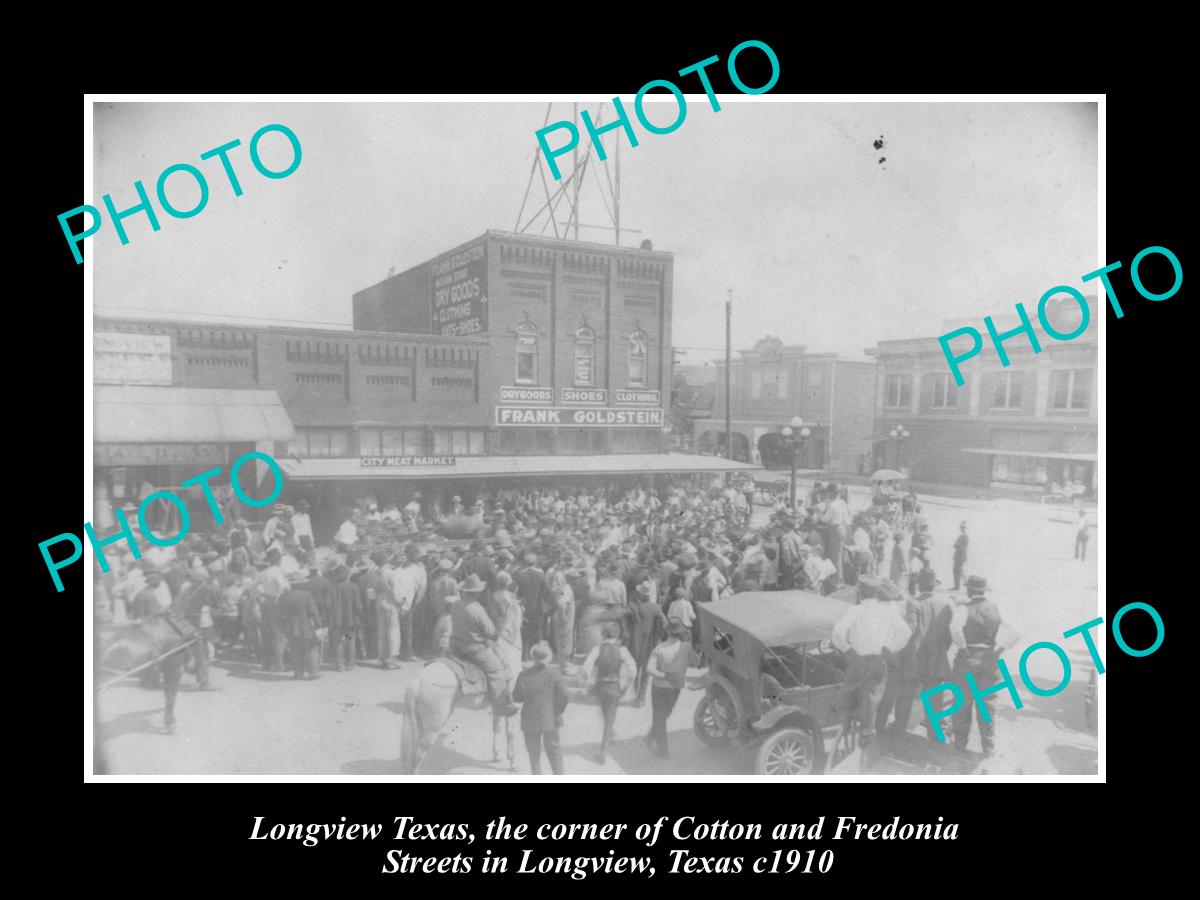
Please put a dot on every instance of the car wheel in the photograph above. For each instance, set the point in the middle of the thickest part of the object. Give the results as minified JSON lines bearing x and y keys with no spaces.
{"x":716,"y":717}
{"x":788,"y":751}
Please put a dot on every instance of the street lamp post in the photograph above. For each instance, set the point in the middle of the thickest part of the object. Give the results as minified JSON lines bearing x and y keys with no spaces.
{"x":795,"y":438}
{"x":899,"y":435}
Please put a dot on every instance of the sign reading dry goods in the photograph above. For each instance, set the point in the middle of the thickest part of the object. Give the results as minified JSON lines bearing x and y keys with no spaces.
{"x":123,"y":358}
{"x":526,"y":395}
{"x":459,"y":283}
{"x":639,"y":398}
{"x":584,"y":395}
{"x":405,"y":461}
{"x":570,"y":417}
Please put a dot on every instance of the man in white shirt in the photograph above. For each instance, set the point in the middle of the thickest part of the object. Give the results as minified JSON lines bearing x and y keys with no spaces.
{"x":302,"y":527}
{"x":836,"y":522}
{"x":871,"y":635}
{"x":278,"y":518}
{"x":404,"y":591}
{"x":347,"y":533}
{"x":415,"y":624}
{"x":413,"y":507}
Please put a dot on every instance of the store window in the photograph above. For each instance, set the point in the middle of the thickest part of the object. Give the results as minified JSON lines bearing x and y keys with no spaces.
{"x":526,"y":441}
{"x":639,"y":352}
{"x":320,"y":443}
{"x":897,"y":392}
{"x":1028,"y":470}
{"x":1007,"y":392}
{"x":585,"y":357}
{"x":458,"y":442}
{"x":527,"y":353}
{"x":942,"y":396}
{"x":1070,"y":389}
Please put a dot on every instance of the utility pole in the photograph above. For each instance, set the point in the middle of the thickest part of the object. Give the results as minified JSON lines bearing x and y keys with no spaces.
{"x":728,"y":376}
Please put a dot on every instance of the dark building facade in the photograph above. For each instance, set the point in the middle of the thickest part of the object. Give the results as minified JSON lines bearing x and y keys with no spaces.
{"x":1028,"y":426}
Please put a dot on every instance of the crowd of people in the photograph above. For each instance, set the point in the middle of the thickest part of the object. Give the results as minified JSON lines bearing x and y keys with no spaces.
{"x":606,"y":577}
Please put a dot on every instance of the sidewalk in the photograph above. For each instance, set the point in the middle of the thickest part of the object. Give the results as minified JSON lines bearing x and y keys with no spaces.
{"x":932,"y":493}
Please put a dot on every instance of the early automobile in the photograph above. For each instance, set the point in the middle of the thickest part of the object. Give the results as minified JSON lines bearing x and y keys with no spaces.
{"x":774,"y":678}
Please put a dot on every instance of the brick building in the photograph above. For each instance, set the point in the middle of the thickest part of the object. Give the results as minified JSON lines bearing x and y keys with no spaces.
{"x":774,"y":382}
{"x":508,"y":357}
{"x":1028,"y":426}
{"x":579,"y":354}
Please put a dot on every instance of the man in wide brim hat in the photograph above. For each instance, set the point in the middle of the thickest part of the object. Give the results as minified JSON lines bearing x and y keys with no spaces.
{"x":472,"y":638}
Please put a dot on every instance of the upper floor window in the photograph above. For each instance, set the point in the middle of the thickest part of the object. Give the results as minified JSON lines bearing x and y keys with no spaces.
{"x":1070,"y":388}
{"x":527,"y":353}
{"x":942,"y":396}
{"x":639,"y":352}
{"x":768,"y":383}
{"x":585,"y":357}
{"x":897,"y":391}
{"x":1007,"y":393}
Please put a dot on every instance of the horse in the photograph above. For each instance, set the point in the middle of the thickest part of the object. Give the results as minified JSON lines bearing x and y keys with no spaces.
{"x":159,"y":648}
{"x":433,"y":695}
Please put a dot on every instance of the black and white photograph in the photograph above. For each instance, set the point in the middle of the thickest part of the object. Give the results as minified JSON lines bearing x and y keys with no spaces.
{"x":499,"y":438}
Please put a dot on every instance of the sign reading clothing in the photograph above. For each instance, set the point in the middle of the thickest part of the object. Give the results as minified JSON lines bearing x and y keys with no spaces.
{"x":574,"y":417}
{"x":459,"y":285}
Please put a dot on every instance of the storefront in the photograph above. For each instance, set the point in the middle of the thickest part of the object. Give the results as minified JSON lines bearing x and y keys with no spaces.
{"x":332,"y":485}
{"x":155,"y":438}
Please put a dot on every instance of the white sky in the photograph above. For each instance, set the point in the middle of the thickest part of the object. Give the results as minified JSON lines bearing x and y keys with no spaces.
{"x":978,"y":206}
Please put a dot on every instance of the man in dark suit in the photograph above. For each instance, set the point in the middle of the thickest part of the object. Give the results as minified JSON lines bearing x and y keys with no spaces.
{"x":301,"y":620}
{"x":533,"y":590}
{"x":322,"y":592}
{"x":344,"y":618}
{"x":647,"y":625}
{"x":543,"y":696}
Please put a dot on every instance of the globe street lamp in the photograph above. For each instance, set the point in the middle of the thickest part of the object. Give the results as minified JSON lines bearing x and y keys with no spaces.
{"x":899,"y":435}
{"x":795,"y":441}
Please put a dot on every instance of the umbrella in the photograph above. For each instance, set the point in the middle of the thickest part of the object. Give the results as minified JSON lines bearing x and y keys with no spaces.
{"x":887,"y":475}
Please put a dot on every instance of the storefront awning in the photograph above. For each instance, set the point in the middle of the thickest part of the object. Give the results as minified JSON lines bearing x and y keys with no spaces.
{"x":514,"y":466}
{"x":188,"y":415}
{"x":1040,"y":454}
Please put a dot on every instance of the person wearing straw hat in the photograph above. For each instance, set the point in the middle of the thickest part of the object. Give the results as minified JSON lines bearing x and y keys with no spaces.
{"x":301,"y":621}
{"x":543,"y":698}
{"x":472,"y":635}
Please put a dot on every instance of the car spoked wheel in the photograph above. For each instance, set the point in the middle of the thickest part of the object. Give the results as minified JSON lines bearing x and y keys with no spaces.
{"x":715,"y":719}
{"x":789,"y":751}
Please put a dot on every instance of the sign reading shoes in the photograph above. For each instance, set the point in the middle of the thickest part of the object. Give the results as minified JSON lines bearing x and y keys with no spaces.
{"x":585,"y":395}
{"x":575,"y":417}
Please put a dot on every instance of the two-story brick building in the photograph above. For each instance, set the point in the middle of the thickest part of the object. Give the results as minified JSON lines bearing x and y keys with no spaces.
{"x":1026,"y":426}
{"x":774,"y":382}
{"x":509,"y":357}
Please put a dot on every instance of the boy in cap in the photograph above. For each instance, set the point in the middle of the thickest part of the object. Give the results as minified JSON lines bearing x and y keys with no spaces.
{"x":543,"y":698}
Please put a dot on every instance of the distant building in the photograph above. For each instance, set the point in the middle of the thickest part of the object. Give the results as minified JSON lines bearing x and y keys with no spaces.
{"x":1030,"y":426}
{"x":774,"y":382}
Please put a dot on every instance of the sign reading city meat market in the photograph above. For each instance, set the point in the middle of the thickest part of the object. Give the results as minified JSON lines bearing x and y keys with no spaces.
{"x":574,"y":417}
{"x":402,"y":462}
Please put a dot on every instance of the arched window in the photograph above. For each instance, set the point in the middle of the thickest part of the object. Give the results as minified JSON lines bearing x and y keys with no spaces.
{"x":585,"y":357}
{"x":527,"y":353}
{"x":638,"y":359}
